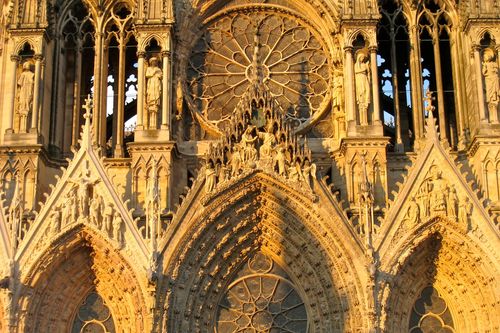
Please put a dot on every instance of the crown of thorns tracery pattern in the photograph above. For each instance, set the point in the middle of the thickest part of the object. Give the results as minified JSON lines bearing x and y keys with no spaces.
{"x":262,"y":302}
{"x":293,"y":65}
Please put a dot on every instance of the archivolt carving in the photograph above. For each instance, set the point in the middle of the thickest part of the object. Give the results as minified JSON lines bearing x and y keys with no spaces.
{"x":452,"y":264}
{"x":78,"y":264}
{"x":292,"y":59}
{"x":249,"y":218}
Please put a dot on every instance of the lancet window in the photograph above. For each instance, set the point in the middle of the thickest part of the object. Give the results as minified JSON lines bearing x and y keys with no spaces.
{"x":430,"y":63}
{"x":73,"y":77}
{"x":434,"y":27}
{"x":394,"y":74}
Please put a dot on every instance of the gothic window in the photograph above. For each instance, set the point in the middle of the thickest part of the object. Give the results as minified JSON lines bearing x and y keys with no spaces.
{"x":434,"y":26}
{"x":291,"y":62}
{"x":121,"y":76}
{"x":93,"y":316}
{"x":72,"y":82}
{"x":261,"y":299}
{"x":430,"y":314}
{"x":394,"y":74}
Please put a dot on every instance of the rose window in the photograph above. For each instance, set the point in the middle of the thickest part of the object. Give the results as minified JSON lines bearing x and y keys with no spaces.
{"x":292,"y":63}
{"x":261,"y":302}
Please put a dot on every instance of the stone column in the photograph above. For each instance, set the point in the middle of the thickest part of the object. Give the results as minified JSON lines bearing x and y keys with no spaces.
{"x":479,"y":84}
{"x":439,"y":86}
{"x":140,"y":89}
{"x":121,"y":101}
{"x":36,"y":93}
{"x":167,"y":92}
{"x":10,"y":115}
{"x":76,"y":96}
{"x":349,"y":88}
{"x":98,"y":67}
{"x":416,"y":84}
{"x":375,"y":88}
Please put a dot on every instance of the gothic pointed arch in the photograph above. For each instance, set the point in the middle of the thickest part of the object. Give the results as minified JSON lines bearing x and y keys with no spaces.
{"x":445,"y":266}
{"x":78,"y":263}
{"x":259,"y":214}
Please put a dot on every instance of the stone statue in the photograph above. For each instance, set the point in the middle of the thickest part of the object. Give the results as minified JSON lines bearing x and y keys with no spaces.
{"x":25,"y":95}
{"x":84,"y":191}
{"x":108,"y":218}
{"x":95,"y":209}
{"x":491,"y":79}
{"x":281,"y":161}
{"x":235,"y":160}
{"x":248,"y":143}
{"x":294,"y":173}
{"x":210,"y":177}
{"x":452,"y":203}
{"x":55,"y":222}
{"x":268,"y":142}
{"x":153,"y":91}
{"x":413,"y":212}
{"x":439,"y":193}
{"x":309,"y":172}
{"x":117,"y":227}
{"x":465,"y":211}
{"x":363,"y":91}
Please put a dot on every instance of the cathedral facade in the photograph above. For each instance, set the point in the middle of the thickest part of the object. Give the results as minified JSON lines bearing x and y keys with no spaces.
{"x":221,"y":166}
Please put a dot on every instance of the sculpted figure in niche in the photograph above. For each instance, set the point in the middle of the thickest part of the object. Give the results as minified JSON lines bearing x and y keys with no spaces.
{"x":25,"y":95}
{"x":491,"y":79}
{"x":363,"y":91}
{"x":153,"y":91}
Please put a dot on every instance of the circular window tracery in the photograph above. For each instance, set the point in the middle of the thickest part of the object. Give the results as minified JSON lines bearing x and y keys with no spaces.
{"x":293,"y":66}
{"x":261,"y":301}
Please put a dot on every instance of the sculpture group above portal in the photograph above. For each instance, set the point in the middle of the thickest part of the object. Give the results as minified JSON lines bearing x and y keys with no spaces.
{"x":258,"y":138}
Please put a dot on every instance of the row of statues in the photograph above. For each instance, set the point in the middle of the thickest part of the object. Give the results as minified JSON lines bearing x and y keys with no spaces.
{"x":437,"y":197}
{"x":84,"y":204}
{"x":271,"y":154}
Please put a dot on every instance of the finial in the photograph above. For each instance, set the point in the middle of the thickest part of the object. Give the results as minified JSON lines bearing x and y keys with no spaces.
{"x":87,"y":133}
{"x":430,"y":127}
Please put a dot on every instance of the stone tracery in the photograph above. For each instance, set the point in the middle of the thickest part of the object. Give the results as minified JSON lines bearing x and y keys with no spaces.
{"x":292,"y":63}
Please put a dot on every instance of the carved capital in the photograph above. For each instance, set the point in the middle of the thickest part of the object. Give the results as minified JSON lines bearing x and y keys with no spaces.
{"x":15,"y":58}
{"x":38,"y":57}
{"x":165,"y":54}
{"x":141,"y":54}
